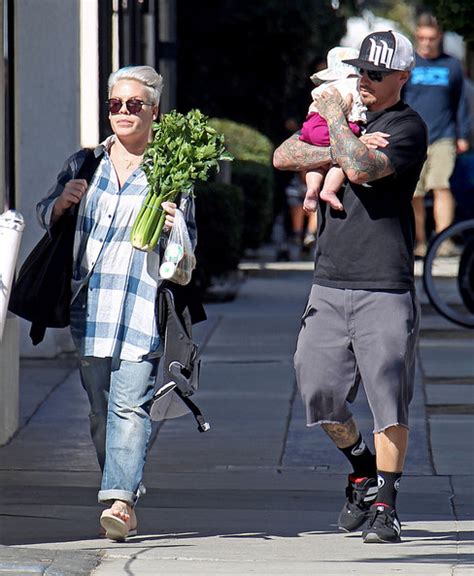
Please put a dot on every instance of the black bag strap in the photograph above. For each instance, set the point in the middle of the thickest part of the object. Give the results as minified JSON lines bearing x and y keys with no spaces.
{"x":90,"y":164}
{"x":203,"y":425}
{"x":86,"y":171}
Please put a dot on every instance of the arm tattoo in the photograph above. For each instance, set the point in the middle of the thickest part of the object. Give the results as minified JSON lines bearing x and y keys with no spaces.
{"x":343,"y":435}
{"x":352,"y":155}
{"x":296,"y":155}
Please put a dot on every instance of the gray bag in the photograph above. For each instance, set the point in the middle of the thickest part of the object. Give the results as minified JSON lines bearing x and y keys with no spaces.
{"x":178,"y":370}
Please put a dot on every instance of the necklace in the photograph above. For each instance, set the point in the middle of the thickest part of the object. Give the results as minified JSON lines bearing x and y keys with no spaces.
{"x":127,"y":162}
{"x":133,"y":162}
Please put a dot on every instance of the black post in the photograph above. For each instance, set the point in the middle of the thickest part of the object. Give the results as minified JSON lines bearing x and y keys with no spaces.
{"x":124,"y":33}
{"x":131,"y":32}
{"x":166,"y":51}
{"x":105,"y":8}
{"x":9,"y":96}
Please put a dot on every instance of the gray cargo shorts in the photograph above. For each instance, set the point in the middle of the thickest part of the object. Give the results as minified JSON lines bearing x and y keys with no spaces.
{"x":352,"y":336}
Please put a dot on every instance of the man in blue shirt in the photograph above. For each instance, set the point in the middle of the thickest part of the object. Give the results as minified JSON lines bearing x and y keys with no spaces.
{"x":436,"y":91}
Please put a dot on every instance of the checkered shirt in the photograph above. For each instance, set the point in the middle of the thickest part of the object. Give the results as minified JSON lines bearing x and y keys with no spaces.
{"x":114,"y":285}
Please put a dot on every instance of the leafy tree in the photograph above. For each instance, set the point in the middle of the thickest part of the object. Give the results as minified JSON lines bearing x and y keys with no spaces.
{"x":250,"y":61}
{"x":453,"y":15}
{"x":456,"y":16}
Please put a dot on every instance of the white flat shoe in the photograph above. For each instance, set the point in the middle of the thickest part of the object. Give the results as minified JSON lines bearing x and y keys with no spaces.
{"x":116,"y":528}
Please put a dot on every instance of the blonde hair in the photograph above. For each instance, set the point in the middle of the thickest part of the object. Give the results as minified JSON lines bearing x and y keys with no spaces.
{"x":146,"y":75}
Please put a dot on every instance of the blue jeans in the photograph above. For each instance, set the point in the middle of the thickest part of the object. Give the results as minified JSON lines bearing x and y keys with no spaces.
{"x":120,"y":421}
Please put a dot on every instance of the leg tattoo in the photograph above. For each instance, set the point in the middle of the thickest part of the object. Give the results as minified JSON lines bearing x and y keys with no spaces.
{"x":343,"y":435}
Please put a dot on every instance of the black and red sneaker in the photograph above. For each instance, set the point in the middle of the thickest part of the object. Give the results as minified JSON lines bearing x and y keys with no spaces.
{"x":383,"y":525}
{"x":361,"y":494}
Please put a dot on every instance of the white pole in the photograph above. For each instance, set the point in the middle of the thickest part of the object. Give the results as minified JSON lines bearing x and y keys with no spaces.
{"x":89,"y":62}
{"x":12,"y":225}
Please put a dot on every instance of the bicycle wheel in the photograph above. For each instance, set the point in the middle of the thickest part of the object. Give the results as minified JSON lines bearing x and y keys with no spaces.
{"x":448,"y":282}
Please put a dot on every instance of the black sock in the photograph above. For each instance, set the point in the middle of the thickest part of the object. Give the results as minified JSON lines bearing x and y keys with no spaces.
{"x":388,"y":487}
{"x":361,"y":458}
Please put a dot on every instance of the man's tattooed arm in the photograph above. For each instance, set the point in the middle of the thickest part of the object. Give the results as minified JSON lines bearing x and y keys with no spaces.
{"x":360,"y":164}
{"x":296,"y":155}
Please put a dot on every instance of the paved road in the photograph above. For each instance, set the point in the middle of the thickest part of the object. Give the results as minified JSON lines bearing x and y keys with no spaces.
{"x":258,"y":494}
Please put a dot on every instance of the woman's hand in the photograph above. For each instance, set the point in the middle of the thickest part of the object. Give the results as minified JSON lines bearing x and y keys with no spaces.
{"x":73,"y":191}
{"x":170,"y":209}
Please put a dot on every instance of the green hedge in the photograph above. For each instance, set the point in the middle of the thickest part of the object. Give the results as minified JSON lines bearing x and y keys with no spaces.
{"x":219,"y":217}
{"x":251,"y":170}
{"x":256,"y":180}
{"x":244,"y":142}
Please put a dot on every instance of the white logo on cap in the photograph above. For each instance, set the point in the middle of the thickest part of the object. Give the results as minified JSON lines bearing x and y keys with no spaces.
{"x":380,"y":54}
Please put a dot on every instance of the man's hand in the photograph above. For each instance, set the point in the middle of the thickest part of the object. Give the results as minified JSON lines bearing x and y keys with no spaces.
{"x":331,"y":104}
{"x":462,"y":145}
{"x":375,"y":140}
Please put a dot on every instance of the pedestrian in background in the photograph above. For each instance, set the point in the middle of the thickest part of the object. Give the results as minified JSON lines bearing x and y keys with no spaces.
{"x":294,"y":230}
{"x":436,"y":91}
{"x":115,"y":286}
{"x":303,"y":224}
{"x":361,"y":321}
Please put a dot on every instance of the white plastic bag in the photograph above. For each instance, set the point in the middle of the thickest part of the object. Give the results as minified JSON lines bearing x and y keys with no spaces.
{"x":178,"y":260}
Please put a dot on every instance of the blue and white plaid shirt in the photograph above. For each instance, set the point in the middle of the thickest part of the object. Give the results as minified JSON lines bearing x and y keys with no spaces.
{"x":114,"y":285}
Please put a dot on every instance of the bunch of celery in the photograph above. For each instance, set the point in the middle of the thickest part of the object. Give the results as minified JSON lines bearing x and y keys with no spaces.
{"x":184,"y":148}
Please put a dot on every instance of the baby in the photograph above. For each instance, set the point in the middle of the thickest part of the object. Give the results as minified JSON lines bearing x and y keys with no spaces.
{"x":344,"y":78}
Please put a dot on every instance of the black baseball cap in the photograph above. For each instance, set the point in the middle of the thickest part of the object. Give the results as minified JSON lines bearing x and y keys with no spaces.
{"x":383,"y":51}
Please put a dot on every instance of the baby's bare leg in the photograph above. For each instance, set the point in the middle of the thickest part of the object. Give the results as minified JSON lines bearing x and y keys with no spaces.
{"x":332,"y":183}
{"x":314,"y":180}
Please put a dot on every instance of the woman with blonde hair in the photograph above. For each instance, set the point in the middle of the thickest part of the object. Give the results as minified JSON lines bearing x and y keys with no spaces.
{"x":115,"y":287}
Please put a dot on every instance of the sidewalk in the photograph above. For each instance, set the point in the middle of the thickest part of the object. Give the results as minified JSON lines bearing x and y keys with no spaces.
{"x":259,"y":493}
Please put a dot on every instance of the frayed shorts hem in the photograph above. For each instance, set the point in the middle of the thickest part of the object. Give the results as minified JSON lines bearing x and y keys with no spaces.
{"x":390,"y":426}
{"x":321,"y":422}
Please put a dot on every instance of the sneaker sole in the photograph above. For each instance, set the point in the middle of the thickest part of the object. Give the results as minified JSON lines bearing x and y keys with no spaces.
{"x":373,"y":538}
{"x":355,"y":527}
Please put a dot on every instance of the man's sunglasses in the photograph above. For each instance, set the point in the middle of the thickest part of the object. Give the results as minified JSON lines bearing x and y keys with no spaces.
{"x":375,"y":75}
{"x":134,"y":105}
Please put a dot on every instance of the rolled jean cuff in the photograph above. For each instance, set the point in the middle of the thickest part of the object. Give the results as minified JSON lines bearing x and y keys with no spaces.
{"x":124,"y":495}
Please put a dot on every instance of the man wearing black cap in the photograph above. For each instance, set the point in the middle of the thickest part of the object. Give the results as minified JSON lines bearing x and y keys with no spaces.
{"x":362,"y":317}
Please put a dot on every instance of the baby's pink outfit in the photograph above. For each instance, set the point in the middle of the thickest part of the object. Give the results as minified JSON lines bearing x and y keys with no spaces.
{"x":315,"y":129}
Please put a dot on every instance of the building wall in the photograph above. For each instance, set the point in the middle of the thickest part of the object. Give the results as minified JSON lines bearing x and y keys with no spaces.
{"x":52,"y":94}
{"x":48,"y":126}
{"x":47,"y":120}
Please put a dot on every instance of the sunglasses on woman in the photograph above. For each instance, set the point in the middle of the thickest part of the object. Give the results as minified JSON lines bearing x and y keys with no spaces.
{"x":134,"y":105}
{"x":375,"y":75}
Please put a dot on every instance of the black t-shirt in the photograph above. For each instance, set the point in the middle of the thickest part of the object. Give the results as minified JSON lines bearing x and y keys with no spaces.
{"x":370,"y":244}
